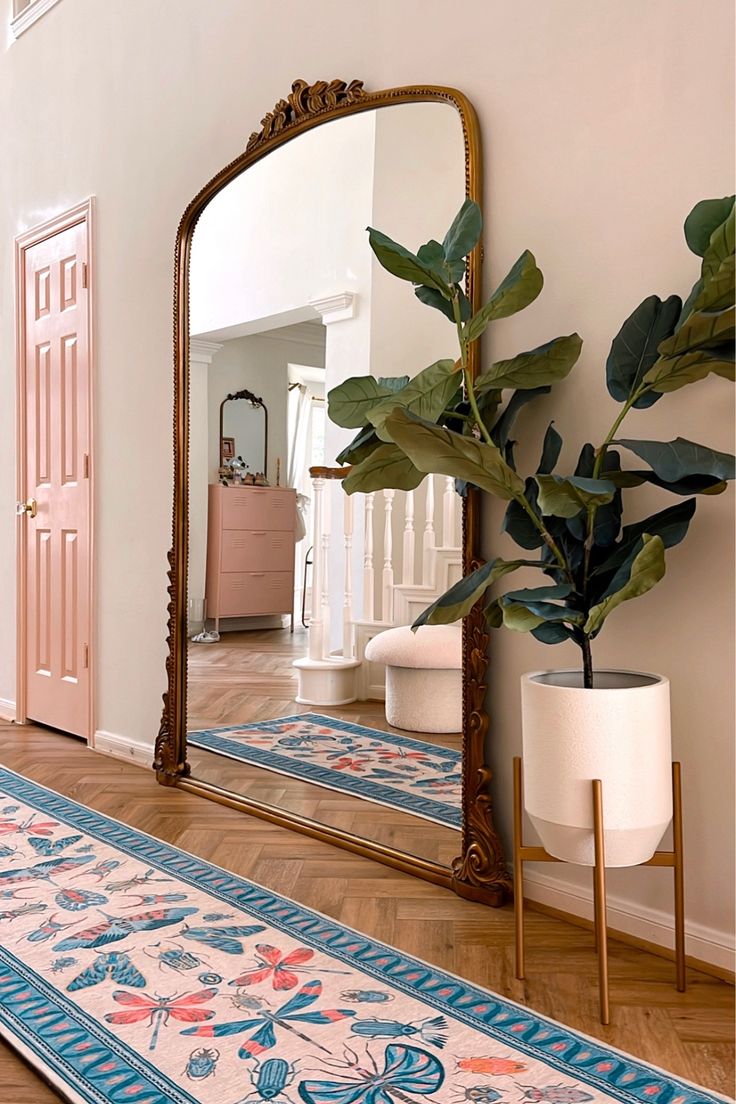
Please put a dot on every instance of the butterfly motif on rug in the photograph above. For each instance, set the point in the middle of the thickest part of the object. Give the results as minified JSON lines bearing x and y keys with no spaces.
{"x":116,"y":965}
{"x":222,"y":939}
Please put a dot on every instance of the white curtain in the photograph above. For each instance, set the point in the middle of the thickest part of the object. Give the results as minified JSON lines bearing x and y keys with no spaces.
{"x":298,"y":420}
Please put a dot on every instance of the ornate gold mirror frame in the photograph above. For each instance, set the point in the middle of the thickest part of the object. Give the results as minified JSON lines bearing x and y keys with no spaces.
{"x":479,"y":871}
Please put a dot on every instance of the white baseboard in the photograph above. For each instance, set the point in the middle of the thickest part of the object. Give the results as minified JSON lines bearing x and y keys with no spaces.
{"x":7,"y":709}
{"x":707,"y":944}
{"x":122,"y":747}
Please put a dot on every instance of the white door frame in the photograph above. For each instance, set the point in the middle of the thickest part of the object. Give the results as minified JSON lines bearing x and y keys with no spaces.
{"x":83,"y":212}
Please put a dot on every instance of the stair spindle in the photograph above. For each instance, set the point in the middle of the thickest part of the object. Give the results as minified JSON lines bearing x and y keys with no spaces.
{"x":448,"y":513}
{"x":347,"y":608}
{"x":316,"y":627}
{"x":387,"y":597}
{"x":428,"y":538}
{"x":369,"y":588}
{"x":407,"y":562}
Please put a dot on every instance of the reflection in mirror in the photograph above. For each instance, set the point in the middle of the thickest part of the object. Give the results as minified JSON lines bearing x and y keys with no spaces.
{"x":293,"y":586}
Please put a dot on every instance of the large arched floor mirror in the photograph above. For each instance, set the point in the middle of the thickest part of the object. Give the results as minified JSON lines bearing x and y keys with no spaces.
{"x":279,"y":581}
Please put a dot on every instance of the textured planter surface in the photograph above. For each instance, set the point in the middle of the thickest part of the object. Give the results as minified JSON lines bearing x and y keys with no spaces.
{"x":618,"y":732}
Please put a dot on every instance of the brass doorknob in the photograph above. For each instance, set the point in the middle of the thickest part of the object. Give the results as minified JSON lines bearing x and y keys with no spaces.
{"x":28,"y":507}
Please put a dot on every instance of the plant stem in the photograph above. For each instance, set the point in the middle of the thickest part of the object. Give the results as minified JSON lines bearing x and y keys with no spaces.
{"x":470,"y":391}
{"x":587,"y":663}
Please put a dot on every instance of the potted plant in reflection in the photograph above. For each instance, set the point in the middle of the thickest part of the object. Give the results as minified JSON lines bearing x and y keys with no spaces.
{"x":586,"y":723}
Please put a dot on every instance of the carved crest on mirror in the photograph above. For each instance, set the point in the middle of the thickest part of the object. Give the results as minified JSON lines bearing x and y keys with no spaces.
{"x":478,"y":871}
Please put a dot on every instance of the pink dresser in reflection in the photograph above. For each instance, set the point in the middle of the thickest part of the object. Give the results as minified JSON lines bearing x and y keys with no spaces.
{"x":250,"y":551}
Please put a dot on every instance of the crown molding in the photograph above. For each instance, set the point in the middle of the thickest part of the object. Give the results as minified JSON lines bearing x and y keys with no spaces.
{"x":202,"y":352}
{"x":335,"y":308}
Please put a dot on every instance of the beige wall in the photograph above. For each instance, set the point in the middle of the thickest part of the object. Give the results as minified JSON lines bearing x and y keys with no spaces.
{"x":602,"y":125}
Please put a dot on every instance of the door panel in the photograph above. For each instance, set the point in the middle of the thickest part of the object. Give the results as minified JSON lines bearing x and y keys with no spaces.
{"x":57,"y":432}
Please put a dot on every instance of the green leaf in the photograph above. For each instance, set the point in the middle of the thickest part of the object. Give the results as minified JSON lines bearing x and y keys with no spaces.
{"x":634,"y":349}
{"x":720,"y":247}
{"x":675,"y":460}
{"x":525,"y":616}
{"x":517,"y":522}
{"x":402,"y":263}
{"x":494,"y":614}
{"x":348,"y":404}
{"x":426,"y":395}
{"x":551,"y":448}
{"x":432,"y":255}
{"x":672,"y":373}
{"x":433,"y":298}
{"x":646,"y":569}
{"x":607,"y":515}
{"x":458,"y":601}
{"x":704,"y":218}
{"x":393,"y":383}
{"x":536,"y":594}
{"x":546,"y":364}
{"x":565,"y":496}
{"x":717,"y":293}
{"x":464,"y":234}
{"x":520,"y":287}
{"x":435,"y":449}
{"x":501,"y":430}
{"x":689,"y":485}
{"x":387,"y":466}
{"x":670,"y":524}
{"x":553,"y":632}
{"x":702,"y":330}
{"x":362,"y":445}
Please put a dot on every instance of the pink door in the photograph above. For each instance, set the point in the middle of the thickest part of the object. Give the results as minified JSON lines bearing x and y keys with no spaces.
{"x":55,"y":601}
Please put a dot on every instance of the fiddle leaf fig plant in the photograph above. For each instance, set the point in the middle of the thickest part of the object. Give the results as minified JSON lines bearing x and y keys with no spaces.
{"x":445,"y":422}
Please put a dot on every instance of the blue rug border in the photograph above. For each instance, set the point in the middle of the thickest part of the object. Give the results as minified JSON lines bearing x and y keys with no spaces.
{"x":440,"y":812}
{"x":171,"y":1093}
{"x":510,"y":1018}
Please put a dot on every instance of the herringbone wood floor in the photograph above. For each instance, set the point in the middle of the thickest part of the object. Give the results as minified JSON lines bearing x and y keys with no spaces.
{"x":690,"y":1034}
{"x":248,"y":676}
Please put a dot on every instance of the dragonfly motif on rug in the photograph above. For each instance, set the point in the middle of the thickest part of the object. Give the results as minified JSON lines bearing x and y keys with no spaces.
{"x":265,"y":1022}
{"x":159,"y":1010}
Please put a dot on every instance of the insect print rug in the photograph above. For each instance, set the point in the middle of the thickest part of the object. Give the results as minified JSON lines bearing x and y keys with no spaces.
{"x":134,"y":973}
{"x":398,"y":771}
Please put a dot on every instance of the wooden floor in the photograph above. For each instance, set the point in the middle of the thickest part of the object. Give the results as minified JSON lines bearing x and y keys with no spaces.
{"x":248,"y":676}
{"x":690,"y":1034}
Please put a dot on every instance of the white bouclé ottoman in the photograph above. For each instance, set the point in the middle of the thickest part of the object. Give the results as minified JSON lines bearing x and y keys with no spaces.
{"x":424,"y":690}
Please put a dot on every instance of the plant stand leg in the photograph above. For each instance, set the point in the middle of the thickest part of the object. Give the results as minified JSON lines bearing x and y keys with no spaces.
{"x":679,"y":875}
{"x":518,"y":872}
{"x":599,"y":898}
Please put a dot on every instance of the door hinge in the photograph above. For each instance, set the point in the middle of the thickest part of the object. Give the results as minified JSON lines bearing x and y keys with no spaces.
{"x":85,"y":467}
{"x":85,"y":275}
{"x":85,"y":655}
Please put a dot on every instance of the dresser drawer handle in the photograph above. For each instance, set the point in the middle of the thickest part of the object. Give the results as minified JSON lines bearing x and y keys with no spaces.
{"x":258,"y":574}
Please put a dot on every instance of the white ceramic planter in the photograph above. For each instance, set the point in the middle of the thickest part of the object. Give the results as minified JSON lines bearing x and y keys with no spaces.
{"x":618,"y":732}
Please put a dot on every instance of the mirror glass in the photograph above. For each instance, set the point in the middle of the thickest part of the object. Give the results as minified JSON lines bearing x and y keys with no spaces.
{"x":292,"y":584}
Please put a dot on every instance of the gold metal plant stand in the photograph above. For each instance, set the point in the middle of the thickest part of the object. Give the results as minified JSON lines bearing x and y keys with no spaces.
{"x":673,"y":858}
